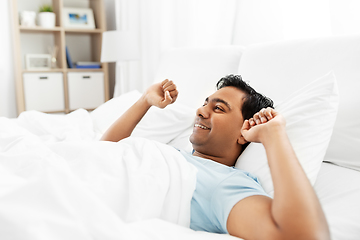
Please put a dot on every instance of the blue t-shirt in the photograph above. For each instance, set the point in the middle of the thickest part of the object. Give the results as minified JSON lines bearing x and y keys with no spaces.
{"x":218,"y":189}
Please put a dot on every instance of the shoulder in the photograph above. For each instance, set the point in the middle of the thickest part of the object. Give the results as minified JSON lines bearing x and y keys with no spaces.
{"x":237,"y":185}
{"x":239,"y":179}
{"x":234,"y":189}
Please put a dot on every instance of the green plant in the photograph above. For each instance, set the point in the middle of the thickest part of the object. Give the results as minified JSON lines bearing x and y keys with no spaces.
{"x":46,"y":8}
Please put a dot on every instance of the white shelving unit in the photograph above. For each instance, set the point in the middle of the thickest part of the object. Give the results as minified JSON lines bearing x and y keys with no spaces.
{"x":60,"y":89}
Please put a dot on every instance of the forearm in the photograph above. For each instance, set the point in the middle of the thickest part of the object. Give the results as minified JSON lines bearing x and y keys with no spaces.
{"x":159,"y":95}
{"x":295,"y":208}
{"x":124,"y":125}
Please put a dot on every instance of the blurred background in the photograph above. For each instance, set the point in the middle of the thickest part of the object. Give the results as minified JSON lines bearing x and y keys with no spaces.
{"x":159,"y":25}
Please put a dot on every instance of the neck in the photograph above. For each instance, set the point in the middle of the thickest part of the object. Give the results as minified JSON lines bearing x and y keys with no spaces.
{"x":226,"y":160}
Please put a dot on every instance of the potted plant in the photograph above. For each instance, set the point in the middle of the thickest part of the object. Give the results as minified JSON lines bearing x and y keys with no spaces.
{"x":46,"y":16}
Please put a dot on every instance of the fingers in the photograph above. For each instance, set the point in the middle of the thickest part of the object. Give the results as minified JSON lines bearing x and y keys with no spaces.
{"x":168,"y":98}
{"x":165,"y":101}
{"x":170,"y":87}
{"x":268,"y":112}
{"x":263,"y":116}
{"x":252,"y":122}
{"x":166,"y":83}
{"x":246,"y":125}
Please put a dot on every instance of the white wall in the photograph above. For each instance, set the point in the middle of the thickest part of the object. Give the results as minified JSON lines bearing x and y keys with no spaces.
{"x":263,"y":21}
{"x":7,"y":81}
{"x":345,"y":16}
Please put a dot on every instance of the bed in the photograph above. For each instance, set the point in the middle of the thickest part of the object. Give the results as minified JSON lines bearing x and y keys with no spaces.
{"x":59,"y":182}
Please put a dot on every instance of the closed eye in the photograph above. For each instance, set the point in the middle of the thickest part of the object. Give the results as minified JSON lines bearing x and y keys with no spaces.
{"x":219,"y":108}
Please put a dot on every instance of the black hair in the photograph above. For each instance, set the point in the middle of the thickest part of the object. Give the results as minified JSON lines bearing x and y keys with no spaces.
{"x":253,"y":102}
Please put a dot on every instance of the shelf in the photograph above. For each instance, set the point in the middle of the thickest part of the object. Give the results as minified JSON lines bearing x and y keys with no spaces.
{"x":41,"y":71}
{"x":58,"y":29}
{"x":64,"y":70}
{"x":39,"y":29}
{"x":76,"y":30}
{"x":83,"y":45}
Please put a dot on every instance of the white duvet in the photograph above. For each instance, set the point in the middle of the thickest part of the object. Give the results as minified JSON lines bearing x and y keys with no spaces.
{"x":58,"y":182}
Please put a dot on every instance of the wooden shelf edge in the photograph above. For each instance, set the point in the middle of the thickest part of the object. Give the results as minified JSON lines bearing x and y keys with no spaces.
{"x":65,"y":70}
{"x":45,"y":70}
{"x":79,"y":31}
{"x":58,"y":29}
{"x":39,"y":29}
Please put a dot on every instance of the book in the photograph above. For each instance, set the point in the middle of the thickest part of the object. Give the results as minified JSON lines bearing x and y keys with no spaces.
{"x":68,"y":58}
{"x":87,"y":66}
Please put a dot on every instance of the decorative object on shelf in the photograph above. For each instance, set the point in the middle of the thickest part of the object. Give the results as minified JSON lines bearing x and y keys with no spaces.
{"x":120,"y":46}
{"x":27,"y":18}
{"x":46,"y":16}
{"x":88,"y":65}
{"x":38,"y":61}
{"x":53,"y":52}
{"x":68,"y":59}
{"x":78,"y":18}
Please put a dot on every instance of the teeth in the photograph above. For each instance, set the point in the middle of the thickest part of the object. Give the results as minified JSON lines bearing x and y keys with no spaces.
{"x":201,"y":126}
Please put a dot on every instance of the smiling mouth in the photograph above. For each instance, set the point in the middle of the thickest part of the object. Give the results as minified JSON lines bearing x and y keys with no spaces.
{"x":201,"y":126}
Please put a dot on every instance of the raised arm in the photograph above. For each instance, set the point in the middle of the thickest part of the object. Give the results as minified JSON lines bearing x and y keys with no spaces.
{"x":159,"y":95}
{"x":295,"y":211}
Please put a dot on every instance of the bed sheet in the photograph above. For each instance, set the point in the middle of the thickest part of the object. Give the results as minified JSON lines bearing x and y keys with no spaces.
{"x":338,"y":189}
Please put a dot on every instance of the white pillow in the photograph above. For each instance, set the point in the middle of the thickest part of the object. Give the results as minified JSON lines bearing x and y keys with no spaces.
{"x":310,"y":115}
{"x":303,"y":60}
{"x":161,"y":125}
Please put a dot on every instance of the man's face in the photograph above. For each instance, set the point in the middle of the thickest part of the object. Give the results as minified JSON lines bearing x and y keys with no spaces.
{"x":218,"y":122}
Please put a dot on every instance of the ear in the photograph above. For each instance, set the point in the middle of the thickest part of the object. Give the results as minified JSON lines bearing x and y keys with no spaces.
{"x":241,"y":140}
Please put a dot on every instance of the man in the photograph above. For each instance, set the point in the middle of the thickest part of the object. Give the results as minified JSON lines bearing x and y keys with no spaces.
{"x":229,"y":200}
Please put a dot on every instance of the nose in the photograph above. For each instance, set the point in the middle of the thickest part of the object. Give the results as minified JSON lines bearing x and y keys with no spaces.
{"x":202,"y":112}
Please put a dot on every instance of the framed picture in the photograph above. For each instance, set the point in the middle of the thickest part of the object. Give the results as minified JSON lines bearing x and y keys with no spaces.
{"x":38,"y":61}
{"x":78,"y":18}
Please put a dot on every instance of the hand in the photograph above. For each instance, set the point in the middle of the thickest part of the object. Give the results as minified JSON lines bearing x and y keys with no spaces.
{"x":262,"y":125}
{"x":161,"y":94}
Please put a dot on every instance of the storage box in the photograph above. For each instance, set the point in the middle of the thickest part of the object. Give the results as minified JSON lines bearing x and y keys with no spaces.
{"x":44,"y":92}
{"x":86,"y":90}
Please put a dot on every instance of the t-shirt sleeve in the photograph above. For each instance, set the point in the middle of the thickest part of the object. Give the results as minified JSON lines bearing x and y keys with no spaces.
{"x":229,"y":192}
